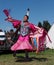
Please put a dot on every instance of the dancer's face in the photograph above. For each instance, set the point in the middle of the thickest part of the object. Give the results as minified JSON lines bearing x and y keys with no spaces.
{"x":25,"y":18}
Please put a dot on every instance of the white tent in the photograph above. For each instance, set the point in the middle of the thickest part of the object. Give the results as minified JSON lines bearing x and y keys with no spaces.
{"x":51,"y":35}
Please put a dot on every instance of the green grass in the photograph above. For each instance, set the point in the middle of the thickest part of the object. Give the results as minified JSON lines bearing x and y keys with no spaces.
{"x":44,"y":58}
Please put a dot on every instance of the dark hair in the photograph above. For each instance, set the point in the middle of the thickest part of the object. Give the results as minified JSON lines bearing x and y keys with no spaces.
{"x":27,"y":16}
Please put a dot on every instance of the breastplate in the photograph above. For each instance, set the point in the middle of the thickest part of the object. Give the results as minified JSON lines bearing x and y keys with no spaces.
{"x":24,"y":29}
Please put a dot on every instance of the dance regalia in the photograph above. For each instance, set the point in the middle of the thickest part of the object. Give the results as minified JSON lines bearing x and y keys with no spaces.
{"x":39,"y":38}
{"x":23,"y":40}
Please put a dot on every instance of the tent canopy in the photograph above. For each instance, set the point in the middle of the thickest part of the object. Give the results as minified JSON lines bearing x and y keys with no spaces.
{"x":51,"y":35}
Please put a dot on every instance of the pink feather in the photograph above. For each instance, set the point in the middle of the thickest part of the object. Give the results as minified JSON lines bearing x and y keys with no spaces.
{"x":6,"y":12}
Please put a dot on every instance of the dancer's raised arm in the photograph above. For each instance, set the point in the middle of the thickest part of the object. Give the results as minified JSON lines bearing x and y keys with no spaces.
{"x":10,"y":19}
{"x":13,"y":21}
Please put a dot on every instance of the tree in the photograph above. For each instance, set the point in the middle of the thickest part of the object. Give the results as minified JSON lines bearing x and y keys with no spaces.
{"x":39,"y":24}
{"x":46,"y":25}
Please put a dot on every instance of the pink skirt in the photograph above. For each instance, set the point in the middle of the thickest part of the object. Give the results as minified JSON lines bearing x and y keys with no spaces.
{"x":22,"y":44}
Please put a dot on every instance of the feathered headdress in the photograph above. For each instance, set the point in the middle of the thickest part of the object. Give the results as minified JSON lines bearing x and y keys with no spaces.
{"x":28,"y":12}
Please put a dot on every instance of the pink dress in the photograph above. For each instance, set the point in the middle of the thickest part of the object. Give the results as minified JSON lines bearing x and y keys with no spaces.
{"x":23,"y":41}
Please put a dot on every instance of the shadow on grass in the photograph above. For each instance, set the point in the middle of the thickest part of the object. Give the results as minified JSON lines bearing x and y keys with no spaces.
{"x":23,"y":59}
{"x":40,"y":59}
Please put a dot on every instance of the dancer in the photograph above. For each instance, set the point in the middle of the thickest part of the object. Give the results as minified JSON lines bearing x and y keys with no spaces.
{"x":25,"y":29}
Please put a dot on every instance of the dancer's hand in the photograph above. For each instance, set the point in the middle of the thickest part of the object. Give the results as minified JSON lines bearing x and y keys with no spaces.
{"x":9,"y":19}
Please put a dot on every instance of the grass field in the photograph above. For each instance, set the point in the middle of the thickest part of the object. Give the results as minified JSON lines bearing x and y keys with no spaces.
{"x":43,"y":58}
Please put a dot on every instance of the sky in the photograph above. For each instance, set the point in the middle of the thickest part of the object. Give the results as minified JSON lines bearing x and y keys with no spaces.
{"x":40,"y":10}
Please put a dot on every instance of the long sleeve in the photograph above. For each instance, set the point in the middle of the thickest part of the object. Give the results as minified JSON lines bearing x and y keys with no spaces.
{"x":16,"y":23}
{"x":13,"y":21}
